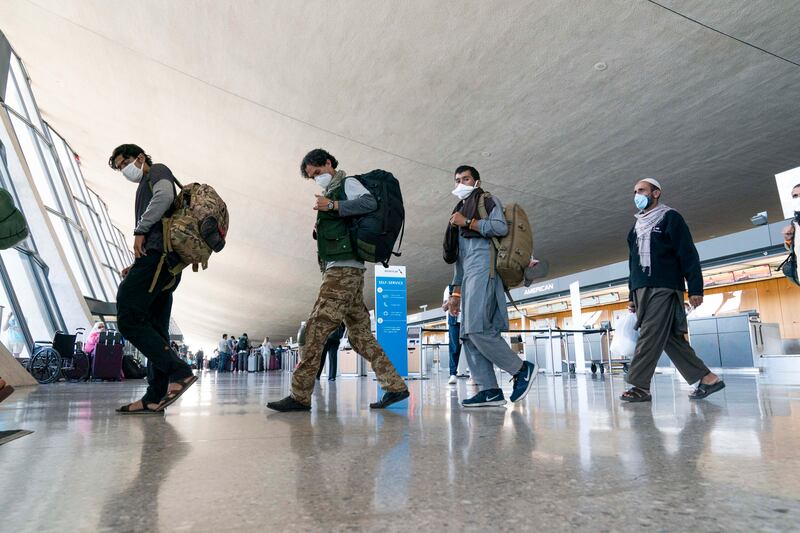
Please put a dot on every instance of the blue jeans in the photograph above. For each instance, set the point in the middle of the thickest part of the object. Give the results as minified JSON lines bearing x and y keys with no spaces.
{"x":222,"y":365}
{"x":454,"y":331}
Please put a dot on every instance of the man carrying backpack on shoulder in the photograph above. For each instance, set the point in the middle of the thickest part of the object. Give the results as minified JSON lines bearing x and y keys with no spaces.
{"x":483,"y":313}
{"x":144,"y":298}
{"x":341,"y":296}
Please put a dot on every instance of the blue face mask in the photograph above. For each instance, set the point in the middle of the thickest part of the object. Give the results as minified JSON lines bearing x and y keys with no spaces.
{"x":641,"y":201}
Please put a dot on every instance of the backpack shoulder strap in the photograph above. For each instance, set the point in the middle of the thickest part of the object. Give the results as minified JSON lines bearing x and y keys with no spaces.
{"x":495,"y":241}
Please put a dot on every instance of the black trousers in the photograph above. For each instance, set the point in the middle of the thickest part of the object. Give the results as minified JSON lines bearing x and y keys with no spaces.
{"x":143,"y":319}
{"x":332,"y":347}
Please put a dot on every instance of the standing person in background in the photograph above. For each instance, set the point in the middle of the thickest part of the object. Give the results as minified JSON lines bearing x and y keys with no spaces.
{"x":243,"y":351}
{"x":332,"y":349}
{"x":790,"y":232}
{"x":266,"y":352}
{"x":144,"y":297}
{"x":15,"y":339}
{"x":244,"y":343}
{"x":232,"y":351}
{"x":663,"y":260}
{"x":453,"y":334}
{"x":199,"y":359}
{"x":223,"y":353}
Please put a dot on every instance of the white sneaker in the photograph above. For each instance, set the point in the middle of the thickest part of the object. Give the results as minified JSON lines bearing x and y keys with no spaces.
{"x":471,"y":381}
{"x":452,"y":380}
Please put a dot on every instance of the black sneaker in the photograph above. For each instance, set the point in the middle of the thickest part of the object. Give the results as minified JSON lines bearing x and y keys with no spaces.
{"x":389,"y":398}
{"x":288,"y":404}
{"x":486,"y":398}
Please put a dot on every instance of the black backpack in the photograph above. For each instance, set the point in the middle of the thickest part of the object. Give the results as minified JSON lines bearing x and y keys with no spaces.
{"x":242,"y":344}
{"x":789,"y":266}
{"x":132,"y":369}
{"x":375,"y":233}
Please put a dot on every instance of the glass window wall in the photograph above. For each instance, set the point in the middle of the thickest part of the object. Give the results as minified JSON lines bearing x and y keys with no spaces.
{"x":26,"y":291}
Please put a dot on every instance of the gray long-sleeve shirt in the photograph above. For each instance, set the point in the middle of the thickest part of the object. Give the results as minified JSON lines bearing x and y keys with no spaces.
{"x":359,"y":202}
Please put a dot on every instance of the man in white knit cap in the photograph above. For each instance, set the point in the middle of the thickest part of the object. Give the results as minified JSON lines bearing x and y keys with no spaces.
{"x":663,"y":260}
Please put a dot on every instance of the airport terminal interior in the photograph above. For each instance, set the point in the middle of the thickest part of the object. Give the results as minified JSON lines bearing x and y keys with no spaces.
{"x":378,"y":266}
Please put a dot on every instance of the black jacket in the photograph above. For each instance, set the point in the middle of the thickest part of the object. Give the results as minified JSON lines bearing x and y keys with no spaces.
{"x":673,"y":258}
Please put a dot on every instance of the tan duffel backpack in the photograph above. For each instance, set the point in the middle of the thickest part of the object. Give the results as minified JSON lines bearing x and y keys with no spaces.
{"x":512,"y":253}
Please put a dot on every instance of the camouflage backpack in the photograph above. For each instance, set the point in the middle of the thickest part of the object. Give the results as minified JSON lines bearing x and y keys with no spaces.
{"x":196,"y":228}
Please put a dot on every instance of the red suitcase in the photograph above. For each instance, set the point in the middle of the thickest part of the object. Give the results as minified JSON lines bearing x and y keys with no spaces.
{"x":107,"y":362}
{"x":273,"y":362}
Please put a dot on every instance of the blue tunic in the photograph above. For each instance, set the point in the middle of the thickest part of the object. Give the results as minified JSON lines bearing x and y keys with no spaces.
{"x":483,"y":301}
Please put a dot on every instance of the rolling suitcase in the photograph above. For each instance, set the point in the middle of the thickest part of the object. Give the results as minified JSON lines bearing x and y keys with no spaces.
{"x":107,"y":361}
{"x":273,"y":362}
{"x":252,"y":365}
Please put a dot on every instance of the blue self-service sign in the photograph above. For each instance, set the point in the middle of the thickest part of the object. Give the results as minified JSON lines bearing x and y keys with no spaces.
{"x":391,"y":318}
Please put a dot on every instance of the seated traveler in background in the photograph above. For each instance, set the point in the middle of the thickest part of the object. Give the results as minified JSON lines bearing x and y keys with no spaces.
{"x":94,"y":336}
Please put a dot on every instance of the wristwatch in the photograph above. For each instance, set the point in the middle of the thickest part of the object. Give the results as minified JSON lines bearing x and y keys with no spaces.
{"x":330,"y":205}
{"x":469,"y":222}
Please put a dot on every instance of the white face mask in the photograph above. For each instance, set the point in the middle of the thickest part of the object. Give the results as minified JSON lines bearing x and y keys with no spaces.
{"x":323,"y":180}
{"x":463,"y":191}
{"x":132,"y":172}
{"x":796,"y":204}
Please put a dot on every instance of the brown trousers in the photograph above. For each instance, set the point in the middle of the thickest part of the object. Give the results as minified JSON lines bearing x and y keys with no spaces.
{"x":341,"y":299}
{"x":662,"y":328}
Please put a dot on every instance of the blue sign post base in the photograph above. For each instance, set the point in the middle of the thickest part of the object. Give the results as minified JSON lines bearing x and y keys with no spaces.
{"x":391,"y":317}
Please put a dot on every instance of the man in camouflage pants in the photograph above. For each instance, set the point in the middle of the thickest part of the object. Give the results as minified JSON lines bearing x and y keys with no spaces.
{"x":341,"y":296}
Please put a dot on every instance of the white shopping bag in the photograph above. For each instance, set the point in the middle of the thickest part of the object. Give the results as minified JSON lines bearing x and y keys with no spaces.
{"x":625,"y":336}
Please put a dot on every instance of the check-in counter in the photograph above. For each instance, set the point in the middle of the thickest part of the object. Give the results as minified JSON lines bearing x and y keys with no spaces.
{"x":736,"y":341}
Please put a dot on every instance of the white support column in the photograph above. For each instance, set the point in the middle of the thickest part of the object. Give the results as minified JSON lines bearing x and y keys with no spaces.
{"x":575,"y":300}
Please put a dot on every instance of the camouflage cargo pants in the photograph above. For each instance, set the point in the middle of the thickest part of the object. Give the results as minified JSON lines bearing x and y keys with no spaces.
{"x":341,"y":299}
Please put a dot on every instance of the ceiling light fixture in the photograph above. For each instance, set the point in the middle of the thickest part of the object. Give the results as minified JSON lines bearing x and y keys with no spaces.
{"x":486,"y":153}
{"x":602,"y":65}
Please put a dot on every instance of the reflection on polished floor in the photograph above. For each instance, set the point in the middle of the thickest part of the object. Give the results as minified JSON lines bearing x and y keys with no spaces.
{"x":572,"y":457}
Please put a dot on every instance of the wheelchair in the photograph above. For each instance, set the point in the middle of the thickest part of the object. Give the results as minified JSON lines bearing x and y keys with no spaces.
{"x":61,"y":358}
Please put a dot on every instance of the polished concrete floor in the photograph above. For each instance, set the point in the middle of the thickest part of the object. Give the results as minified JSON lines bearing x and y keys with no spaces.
{"x":571,"y":457}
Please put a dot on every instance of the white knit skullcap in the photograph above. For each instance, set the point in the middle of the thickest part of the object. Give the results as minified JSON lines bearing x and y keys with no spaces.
{"x":652,"y":182}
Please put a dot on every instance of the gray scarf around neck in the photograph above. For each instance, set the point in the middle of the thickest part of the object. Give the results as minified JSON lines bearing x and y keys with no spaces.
{"x":337,"y":179}
{"x":645,"y":222}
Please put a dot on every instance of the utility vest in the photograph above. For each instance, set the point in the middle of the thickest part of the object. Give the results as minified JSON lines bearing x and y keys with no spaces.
{"x":334,"y":239}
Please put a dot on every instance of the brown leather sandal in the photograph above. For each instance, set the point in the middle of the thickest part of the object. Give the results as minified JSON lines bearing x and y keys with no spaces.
{"x":635,"y":395}
{"x":172,"y":396}
{"x":145,"y":410}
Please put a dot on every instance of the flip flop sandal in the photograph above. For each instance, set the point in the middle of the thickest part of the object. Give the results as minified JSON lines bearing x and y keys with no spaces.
{"x":172,"y":396}
{"x":126,"y":410}
{"x":5,"y":392}
{"x":704,"y":390}
{"x":636,"y":395}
